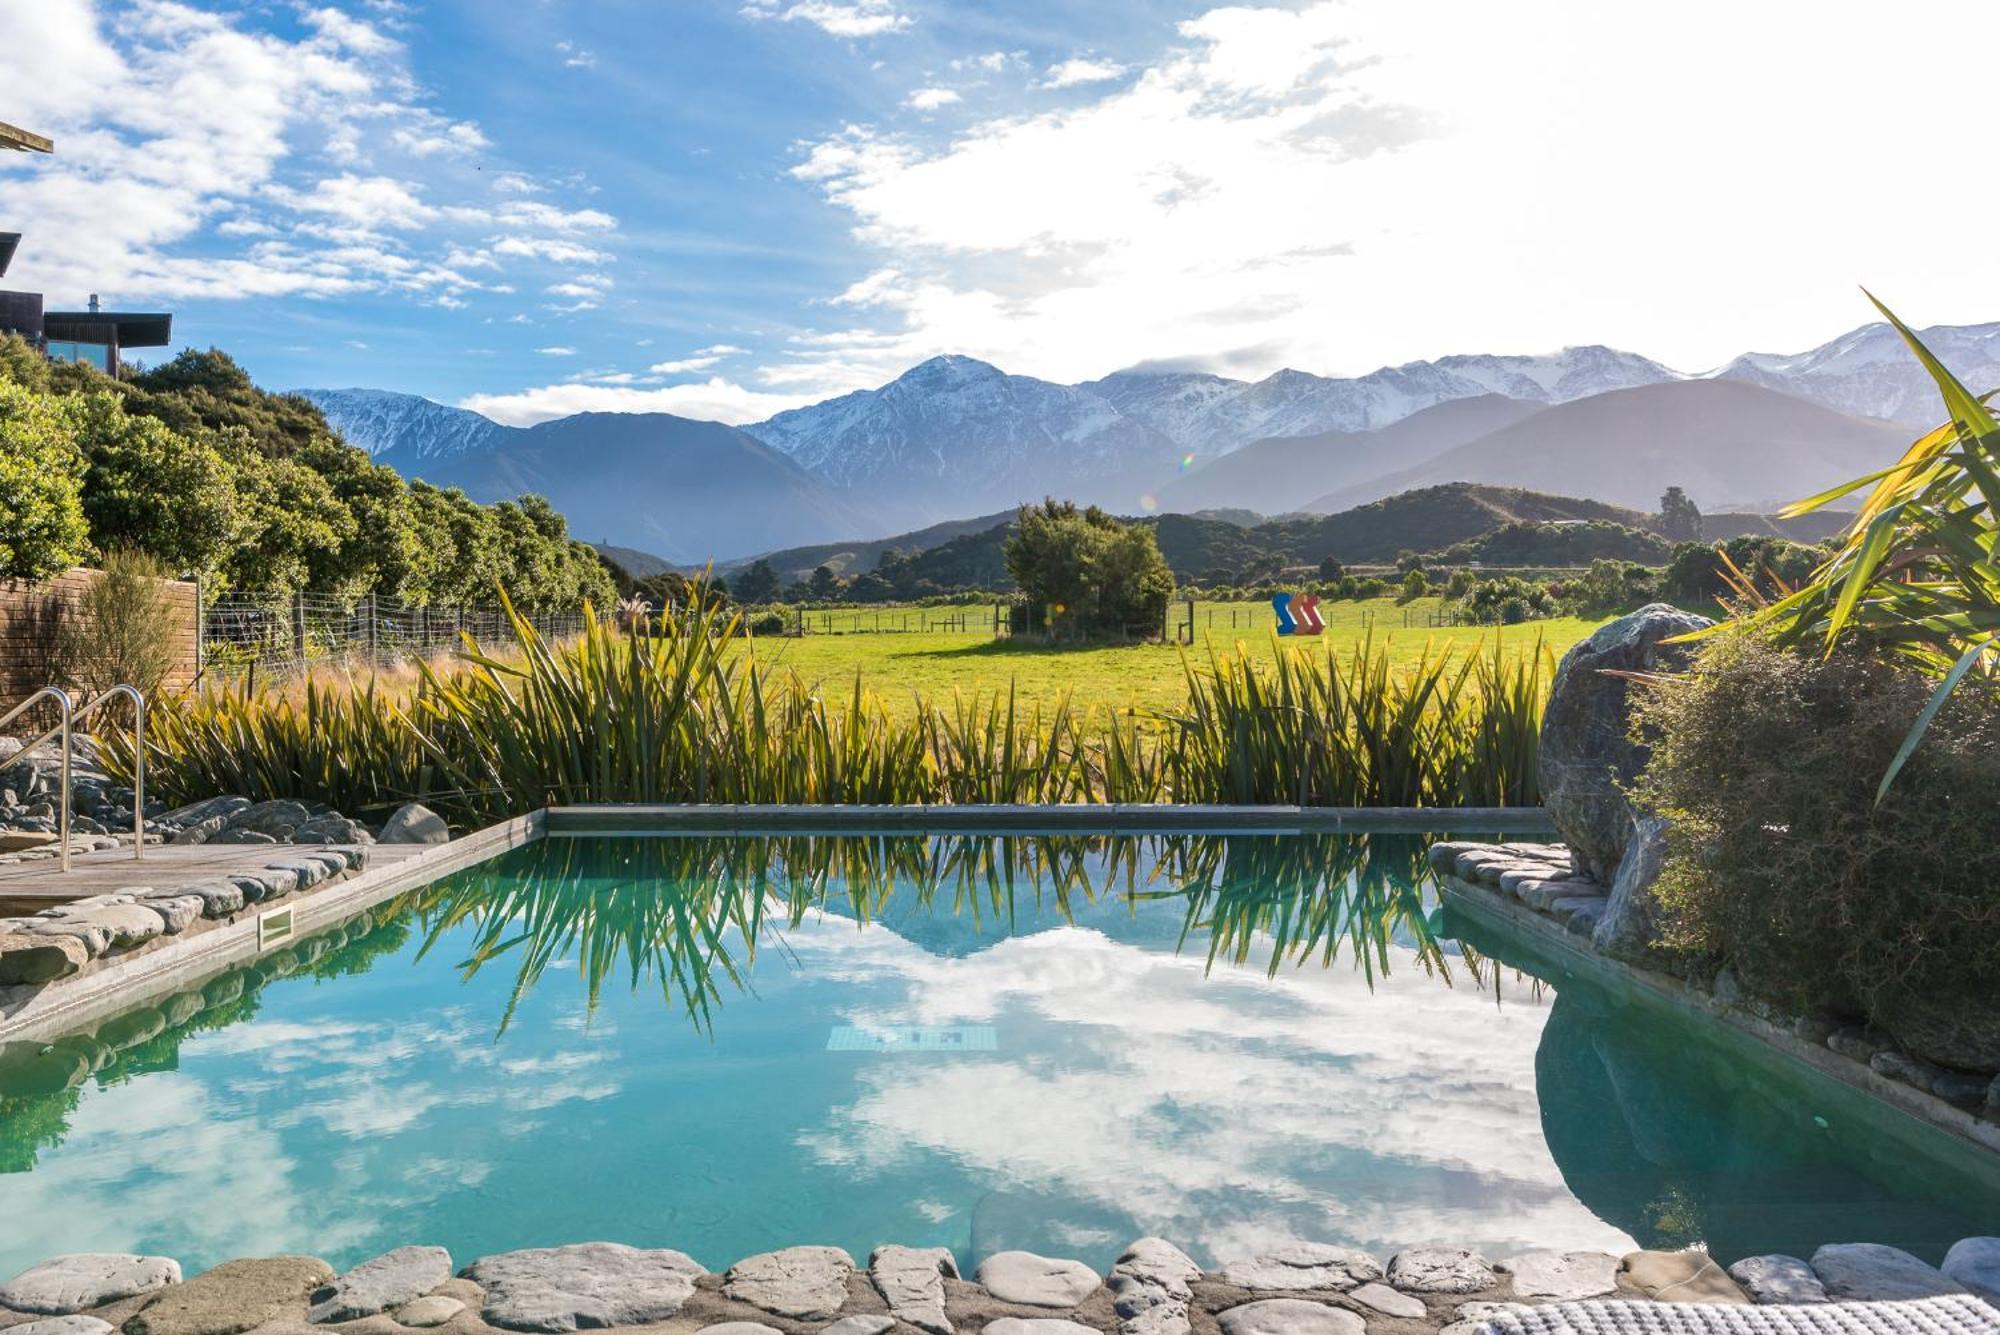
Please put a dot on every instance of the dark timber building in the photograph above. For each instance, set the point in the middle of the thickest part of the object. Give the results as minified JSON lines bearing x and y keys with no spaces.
{"x":99,"y":337}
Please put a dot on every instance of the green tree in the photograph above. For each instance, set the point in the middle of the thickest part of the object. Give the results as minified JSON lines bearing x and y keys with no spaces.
{"x":1090,"y":571}
{"x":1680,"y":518}
{"x":42,"y":527}
{"x":152,"y":490}
{"x":20,"y":364}
{"x":386,"y":552}
{"x":759,"y":583}
{"x":294,"y":525}
{"x":1330,"y":569}
{"x":1416,"y":585}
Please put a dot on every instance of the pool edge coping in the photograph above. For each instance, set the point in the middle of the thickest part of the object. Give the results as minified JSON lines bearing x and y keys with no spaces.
{"x":59,"y":1009}
{"x":613,"y":818}
{"x":1575,"y":953}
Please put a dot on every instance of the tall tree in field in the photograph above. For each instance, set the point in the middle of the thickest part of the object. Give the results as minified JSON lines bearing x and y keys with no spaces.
{"x":1680,"y":518}
{"x":1090,"y":572}
{"x":757,"y":584}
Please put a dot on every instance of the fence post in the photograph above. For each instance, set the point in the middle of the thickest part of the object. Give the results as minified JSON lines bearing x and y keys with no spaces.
{"x":200,"y":630}
{"x":373,"y":657}
{"x":299,"y":628}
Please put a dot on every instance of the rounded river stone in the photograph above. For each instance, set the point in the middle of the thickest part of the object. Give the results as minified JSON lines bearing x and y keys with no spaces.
{"x":1562,"y":1276}
{"x":1290,"y":1316}
{"x":1036,"y":1325}
{"x":390,"y":1280}
{"x":75,"y":1283}
{"x":234,"y":1296}
{"x":586,"y":1284}
{"x":430,"y":1311}
{"x":1036,"y":1281}
{"x":1305,"y":1265}
{"x":806,"y":1283}
{"x":1440,"y":1270}
{"x":1873,"y":1272}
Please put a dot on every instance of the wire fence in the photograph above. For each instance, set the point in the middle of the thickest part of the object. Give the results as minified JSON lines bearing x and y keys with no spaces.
{"x":281,"y":636}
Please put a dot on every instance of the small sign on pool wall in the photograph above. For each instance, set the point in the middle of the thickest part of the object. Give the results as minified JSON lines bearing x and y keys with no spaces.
{"x":913,"y":1038}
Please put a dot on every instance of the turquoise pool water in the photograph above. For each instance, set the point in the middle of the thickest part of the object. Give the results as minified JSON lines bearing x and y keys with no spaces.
{"x":728,"y":1044}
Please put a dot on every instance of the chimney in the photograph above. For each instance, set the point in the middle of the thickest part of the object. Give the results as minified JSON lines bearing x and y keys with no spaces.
{"x":93,"y":303}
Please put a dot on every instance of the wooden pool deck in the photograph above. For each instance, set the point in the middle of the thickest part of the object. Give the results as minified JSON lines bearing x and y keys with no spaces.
{"x":28,"y":887}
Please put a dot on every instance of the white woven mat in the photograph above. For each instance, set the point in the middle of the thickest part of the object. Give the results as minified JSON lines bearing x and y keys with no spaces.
{"x":1956,"y":1315}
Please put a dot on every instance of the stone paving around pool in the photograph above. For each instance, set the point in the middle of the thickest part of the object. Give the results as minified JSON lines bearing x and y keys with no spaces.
{"x":1153,"y":1289}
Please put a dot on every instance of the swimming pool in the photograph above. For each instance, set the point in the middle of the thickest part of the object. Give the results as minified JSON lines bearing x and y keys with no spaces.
{"x":728,"y":1044}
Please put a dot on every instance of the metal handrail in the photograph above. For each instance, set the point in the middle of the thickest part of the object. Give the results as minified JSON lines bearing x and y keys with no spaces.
{"x":138,"y":699}
{"x":67,"y":707}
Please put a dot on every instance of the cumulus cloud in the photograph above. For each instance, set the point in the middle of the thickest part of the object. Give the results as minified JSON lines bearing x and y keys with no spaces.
{"x":558,"y":350}
{"x":715,"y":400}
{"x":861,"y":18}
{"x":700,"y":360}
{"x":930,"y":99}
{"x":575,"y":57}
{"x":1332,"y":183}
{"x":1081,"y":70}
{"x":312,"y":158}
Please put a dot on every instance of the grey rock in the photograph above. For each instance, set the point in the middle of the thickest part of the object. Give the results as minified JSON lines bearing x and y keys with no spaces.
{"x":1975,"y":1263}
{"x":278,"y":818}
{"x":586,"y":1284}
{"x":414,"y":823}
{"x":1381,"y":1298}
{"x":1581,"y":913}
{"x":1587,"y":755}
{"x":1440,"y":1270}
{"x":430,"y":1311}
{"x":182,"y":1007}
{"x":867,"y":1323}
{"x":1290,"y":1316}
{"x":390,"y":1280}
{"x":245,"y":837}
{"x":177,"y":912}
{"x":305,"y":871}
{"x":124,"y":925}
{"x":1630,"y":925}
{"x":805,"y":1283}
{"x":1859,"y":1042}
{"x":1901,"y":1066}
{"x":233,"y":1297}
{"x":1485,"y":1311}
{"x":1872,"y":1272}
{"x":1304,"y":1265}
{"x":332,"y":828}
{"x":258,"y":886}
{"x":82,"y":1280}
{"x":219,"y":899}
{"x":1166,"y":1319}
{"x":33,"y":958}
{"x":196,"y":812}
{"x":1960,"y":1088}
{"x":1036,"y":1325}
{"x":911,"y":1280}
{"x":1562,"y":1276}
{"x":1778,"y":1279}
{"x":740,"y":1328}
{"x":1036,"y":1281}
{"x":1151,"y":1287}
{"x":64,"y":1325}
{"x":1443,"y":855}
{"x":1954,"y":1033}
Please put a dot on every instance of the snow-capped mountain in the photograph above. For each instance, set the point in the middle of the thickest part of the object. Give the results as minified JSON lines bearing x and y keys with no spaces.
{"x":958,"y":429}
{"x":1871,"y":373}
{"x":378,"y":420}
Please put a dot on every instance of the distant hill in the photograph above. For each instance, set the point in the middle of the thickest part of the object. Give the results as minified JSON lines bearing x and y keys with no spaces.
{"x":1282,"y":474}
{"x":690,"y":491}
{"x":635,"y":563}
{"x":856,"y":556}
{"x":1723,"y":441}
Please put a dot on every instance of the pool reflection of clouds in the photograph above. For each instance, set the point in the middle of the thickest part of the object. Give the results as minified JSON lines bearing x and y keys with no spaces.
{"x":1232,"y":1113}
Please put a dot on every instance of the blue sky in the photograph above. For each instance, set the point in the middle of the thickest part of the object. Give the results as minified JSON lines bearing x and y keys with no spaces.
{"x":724,"y":208}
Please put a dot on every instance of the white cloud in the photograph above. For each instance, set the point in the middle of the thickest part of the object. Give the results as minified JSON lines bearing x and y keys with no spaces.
{"x":1080,"y":70}
{"x":716,"y":400}
{"x":990,"y":62}
{"x":177,"y":127}
{"x":575,"y":57}
{"x":930,"y":99}
{"x":557,"y":351}
{"x":861,"y":18}
{"x":1336,"y":187}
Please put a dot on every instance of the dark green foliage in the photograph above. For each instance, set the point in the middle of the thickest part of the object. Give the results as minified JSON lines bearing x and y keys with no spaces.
{"x":1088,"y":572}
{"x":1330,"y":569}
{"x":1610,"y":587}
{"x":193,"y":464}
{"x":757,"y":583}
{"x":1508,"y":601}
{"x":1696,"y":574}
{"x":1782,"y":864}
{"x":1680,"y":518}
{"x":42,"y":527}
{"x":1564,"y":543}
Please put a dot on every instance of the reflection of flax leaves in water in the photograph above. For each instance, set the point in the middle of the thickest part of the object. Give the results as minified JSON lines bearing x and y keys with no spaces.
{"x":1308,"y":895}
{"x":665,"y":909}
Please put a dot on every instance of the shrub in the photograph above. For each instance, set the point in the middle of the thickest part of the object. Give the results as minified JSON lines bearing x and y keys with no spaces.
{"x":42,"y":528}
{"x":1781,"y":864}
{"x":123,"y":628}
{"x":1094,"y":573}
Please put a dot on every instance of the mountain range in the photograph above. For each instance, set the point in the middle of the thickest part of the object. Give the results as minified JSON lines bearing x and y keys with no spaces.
{"x":955,"y":436}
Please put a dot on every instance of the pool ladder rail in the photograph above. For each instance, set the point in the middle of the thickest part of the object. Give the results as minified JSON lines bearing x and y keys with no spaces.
{"x":70,"y":713}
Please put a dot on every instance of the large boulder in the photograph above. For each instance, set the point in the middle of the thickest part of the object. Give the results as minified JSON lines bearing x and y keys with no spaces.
{"x":1588,"y":755}
{"x":1630,"y":923}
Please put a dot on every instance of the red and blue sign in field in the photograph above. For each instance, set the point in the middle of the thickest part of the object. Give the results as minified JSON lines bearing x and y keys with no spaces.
{"x":1298,"y":613}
